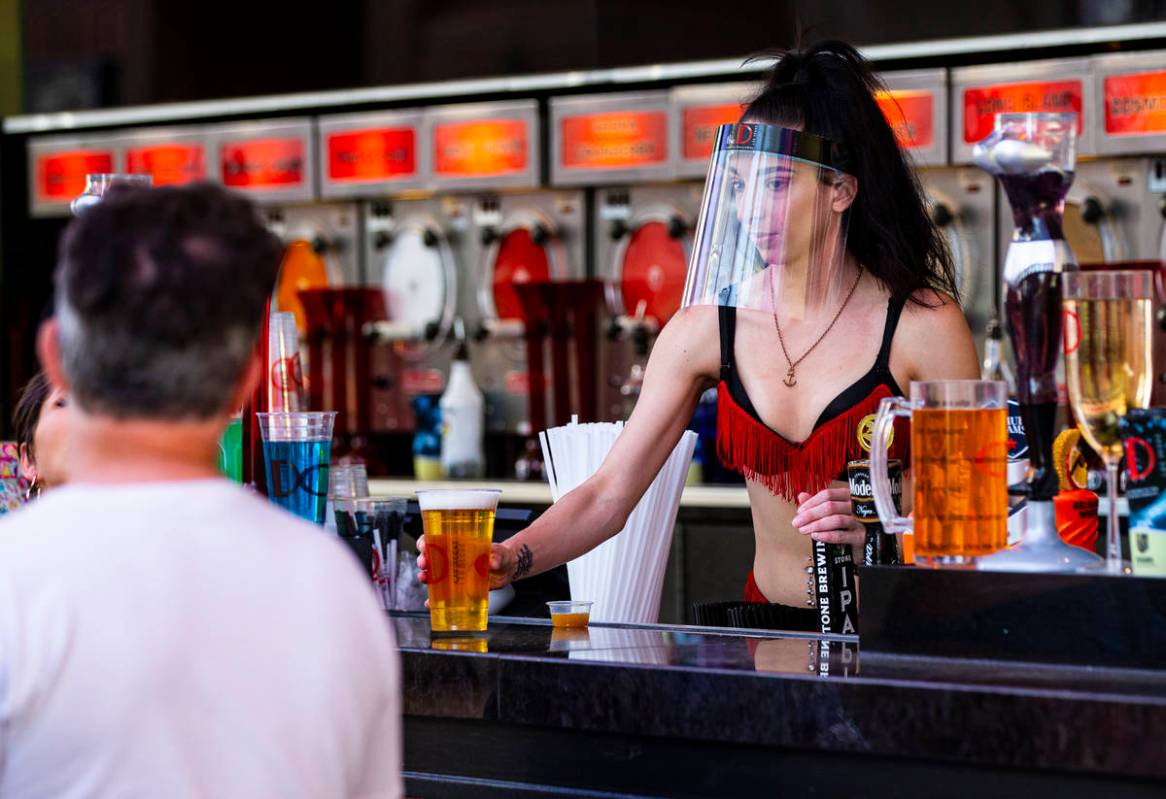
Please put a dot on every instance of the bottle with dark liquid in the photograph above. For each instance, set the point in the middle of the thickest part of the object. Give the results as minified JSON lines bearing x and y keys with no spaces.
{"x":1033,"y":156}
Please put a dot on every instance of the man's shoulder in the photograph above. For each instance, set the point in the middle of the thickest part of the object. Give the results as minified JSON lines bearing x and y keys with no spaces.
{"x":19,"y":528}
{"x":294,"y":542}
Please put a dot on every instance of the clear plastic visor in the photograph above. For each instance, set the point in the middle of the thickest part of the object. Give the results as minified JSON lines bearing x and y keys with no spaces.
{"x":772,"y":225}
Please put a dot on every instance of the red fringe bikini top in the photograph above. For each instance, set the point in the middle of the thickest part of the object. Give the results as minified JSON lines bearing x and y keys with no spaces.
{"x":747,"y":445}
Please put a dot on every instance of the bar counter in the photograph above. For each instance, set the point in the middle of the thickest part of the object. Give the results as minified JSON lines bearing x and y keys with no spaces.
{"x":693,"y":712}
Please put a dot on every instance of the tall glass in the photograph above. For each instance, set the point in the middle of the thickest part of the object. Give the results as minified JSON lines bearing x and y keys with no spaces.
{"x":959,"y":461}
{"x":1108,"y":320}
{"x":298,"y":448}
{"x":459,"y":527}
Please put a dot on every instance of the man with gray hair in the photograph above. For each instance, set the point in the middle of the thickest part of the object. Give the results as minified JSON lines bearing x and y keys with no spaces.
{"x":164,"y":632}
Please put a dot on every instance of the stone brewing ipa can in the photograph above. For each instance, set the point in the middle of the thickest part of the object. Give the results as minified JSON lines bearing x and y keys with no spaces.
{"x":834,"y":577}
{"x":881,"y":548}
{"x":836,"y":659}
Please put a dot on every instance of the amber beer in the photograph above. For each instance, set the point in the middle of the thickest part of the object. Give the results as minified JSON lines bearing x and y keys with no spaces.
{"x":959,"y":459}
{"x":459,"y":527}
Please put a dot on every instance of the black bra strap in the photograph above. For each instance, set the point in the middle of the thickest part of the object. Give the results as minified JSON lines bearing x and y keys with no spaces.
{"x":727,"y":318}
{"x":894,"y":311}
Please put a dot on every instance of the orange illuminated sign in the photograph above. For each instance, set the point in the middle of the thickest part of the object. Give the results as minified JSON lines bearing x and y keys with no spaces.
{"x":168,"y":164}
{"x":373,"y":154}
{"x":982,"y":103}
{"x":615,"y":139}
{"x":1135,"y":104}
{"x":911,"y":115}
{"x":699,"y":125}
{"x":263,"y":163}
{"x":481,"y":148}
{"x":61,"y":176}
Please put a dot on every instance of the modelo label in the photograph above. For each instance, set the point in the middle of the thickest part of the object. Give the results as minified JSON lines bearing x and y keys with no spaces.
{"x":862,"y":489}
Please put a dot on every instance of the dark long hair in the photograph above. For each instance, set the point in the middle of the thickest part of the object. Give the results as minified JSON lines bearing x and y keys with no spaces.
{"x":27,"y":412}
{"x":829,"y":89}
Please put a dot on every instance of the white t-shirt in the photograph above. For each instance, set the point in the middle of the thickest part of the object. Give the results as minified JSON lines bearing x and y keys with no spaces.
{"x":188,"y":639}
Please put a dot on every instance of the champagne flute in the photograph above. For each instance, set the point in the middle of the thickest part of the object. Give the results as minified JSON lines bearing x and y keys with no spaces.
{"x":1108,"y":334}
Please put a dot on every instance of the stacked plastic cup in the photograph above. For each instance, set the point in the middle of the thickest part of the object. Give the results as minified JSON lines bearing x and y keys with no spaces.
{"x":285,"y":370}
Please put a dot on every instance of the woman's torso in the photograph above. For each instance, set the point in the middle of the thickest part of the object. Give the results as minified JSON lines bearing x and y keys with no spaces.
{"x":796,"y":437}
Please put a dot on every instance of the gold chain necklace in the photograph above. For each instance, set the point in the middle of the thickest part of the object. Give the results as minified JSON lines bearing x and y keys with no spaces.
{"x":791,"y":378}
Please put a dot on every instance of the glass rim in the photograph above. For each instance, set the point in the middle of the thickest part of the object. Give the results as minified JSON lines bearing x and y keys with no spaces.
{"x":987,"y":389}
{"x":285,"y":426}
{"x":430,"y":499}
{"x":558,"y":604}
{"x":380,"y":500}
{"x":294,"y":415}
{"x":958,"y":381}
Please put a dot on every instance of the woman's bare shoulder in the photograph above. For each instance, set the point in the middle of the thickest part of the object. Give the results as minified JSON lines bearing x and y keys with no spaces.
{"x":692,"y":337}
{"x":931,"y":304}
{"x":935,"y":337}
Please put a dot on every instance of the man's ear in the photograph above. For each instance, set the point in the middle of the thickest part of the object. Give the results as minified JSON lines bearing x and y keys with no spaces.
{"x":845,"y":191}
{"x":27,"y":467}
{"x":48,"y":349}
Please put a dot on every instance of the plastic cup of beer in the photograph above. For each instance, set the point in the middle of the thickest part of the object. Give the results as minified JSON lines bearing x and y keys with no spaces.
{"x":959,"y":463}
{"x":459,"y":528}
{"x":298,"y":449}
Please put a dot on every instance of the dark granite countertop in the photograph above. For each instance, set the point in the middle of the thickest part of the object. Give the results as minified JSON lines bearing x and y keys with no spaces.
{"x":798,"y":691}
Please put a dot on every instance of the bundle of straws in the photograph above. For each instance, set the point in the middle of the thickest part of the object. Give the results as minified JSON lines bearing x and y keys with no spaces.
{"x":623,"y":575}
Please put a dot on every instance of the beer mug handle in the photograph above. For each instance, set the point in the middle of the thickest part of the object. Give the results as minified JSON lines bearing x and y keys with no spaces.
{"x":889,"y":409}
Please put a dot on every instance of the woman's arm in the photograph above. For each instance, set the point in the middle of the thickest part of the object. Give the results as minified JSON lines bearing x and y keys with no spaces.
{"x":684,"y":360}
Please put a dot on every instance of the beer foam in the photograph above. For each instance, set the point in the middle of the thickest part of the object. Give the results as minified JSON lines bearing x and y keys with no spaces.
{"x":458,"y":499}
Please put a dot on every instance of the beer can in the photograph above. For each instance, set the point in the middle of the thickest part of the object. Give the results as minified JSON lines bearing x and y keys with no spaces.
{"x":881,"y":548}
{"x":1143,"y":432}
{"x":837,"y":599}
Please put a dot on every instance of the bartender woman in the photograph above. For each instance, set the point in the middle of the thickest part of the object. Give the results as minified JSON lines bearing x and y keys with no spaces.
{"x":818,"y":286}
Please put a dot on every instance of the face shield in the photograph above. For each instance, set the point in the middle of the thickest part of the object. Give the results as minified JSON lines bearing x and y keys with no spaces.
{"x":772,"y":226}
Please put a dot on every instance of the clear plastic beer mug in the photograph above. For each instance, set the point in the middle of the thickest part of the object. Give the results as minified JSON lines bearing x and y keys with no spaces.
{"x":459,"y":528}
{"x":959,"y":461}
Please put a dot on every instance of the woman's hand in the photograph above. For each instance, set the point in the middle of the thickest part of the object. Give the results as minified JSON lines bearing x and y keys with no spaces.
{"x":502,"y":565}
{"x":827,"y":517}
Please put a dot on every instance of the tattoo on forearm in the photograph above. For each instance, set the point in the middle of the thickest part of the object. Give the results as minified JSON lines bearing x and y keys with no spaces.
{"x":525,"y":562}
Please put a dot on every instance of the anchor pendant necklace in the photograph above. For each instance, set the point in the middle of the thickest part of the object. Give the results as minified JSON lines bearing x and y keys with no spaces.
{"x":791,"y":376}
